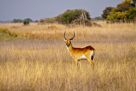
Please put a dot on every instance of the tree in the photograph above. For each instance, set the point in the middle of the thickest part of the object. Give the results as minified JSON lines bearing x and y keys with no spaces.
{"x":71,"y":15}
{"x":28,"y":19}
{"x":106,"y":12}
{"x":132,"y":13}
{"x":134,"y":2}
{"x":17,"y":20}
{"x":125,"y":12}
{"x":124,"y":6}
{"x":112,"y":16}
{"x":98,"y":18}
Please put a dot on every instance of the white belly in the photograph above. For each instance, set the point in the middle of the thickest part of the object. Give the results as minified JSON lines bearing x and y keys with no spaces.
{"x":82,"y":58}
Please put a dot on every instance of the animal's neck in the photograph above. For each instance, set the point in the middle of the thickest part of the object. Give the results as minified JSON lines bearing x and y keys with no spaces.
{"x":70,"y":47}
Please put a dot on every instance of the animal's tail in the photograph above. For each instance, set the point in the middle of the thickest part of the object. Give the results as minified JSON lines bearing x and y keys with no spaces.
{"x":92,"y":57}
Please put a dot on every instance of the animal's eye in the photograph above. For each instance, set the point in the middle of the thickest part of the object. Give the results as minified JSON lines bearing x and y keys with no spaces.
{"x":70,"y":41}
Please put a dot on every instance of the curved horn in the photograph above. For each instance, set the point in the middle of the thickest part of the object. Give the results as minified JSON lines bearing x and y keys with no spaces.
{"x":73,"y":36}
{"x":64,"y":35}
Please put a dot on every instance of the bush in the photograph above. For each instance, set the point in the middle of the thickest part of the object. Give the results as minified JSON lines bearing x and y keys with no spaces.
{"x":41,"y":21}
{"x":50,"y":20}
{"x":26,"y":22}
{"x":52,"y":27}
{"x":71,"y":15}
{"x":6,"y":31}
{"x":47,"y":20}
{"x":83,"y":22}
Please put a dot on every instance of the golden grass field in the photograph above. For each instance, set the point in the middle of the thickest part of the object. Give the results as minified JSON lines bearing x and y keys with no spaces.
{"x":39,"y":60}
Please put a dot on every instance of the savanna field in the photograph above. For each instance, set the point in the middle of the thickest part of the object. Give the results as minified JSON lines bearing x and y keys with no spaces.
{"x":35,"y":58}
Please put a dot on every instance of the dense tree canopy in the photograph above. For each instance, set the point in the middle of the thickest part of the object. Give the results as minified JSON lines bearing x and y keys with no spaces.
{"x":20,"y":20}
{"x":134,"y":2}
{"x":17,"y":20}
{"x":124,"y":6}
{"x":106,"y":12}
{"x":98,"y":18}
{"x":28,"y":19}
{"x":124,"y":12}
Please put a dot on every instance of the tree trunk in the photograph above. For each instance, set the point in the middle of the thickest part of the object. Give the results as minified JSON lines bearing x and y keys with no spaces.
{"x":134,"y":1}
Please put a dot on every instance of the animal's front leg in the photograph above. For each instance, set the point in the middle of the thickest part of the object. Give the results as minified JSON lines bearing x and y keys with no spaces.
{"x":76,"y":62}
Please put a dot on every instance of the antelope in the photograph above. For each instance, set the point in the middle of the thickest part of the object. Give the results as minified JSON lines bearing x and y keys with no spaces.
{"x":86,"y":53}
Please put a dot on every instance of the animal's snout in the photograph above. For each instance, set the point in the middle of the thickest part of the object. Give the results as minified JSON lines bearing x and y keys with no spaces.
{"x":67,"y":44}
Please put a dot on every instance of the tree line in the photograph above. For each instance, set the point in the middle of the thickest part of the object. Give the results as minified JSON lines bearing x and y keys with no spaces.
{"x":25,"y":21}
{"x":20,"y":20}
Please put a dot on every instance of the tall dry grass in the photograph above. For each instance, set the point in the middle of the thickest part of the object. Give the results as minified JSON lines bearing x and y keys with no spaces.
{"x":56,"y":31}
{"x":44,"y":65}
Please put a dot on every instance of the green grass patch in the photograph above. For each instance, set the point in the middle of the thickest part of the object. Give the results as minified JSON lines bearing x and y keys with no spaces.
{"x":5,"y":35}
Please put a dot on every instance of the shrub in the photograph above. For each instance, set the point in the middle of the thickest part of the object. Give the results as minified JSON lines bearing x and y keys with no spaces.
{"x":52,"y":27}
{"x":41,"y":21}
{"x":26,"y":22}
{"x":50,"y":20}
{"x":85,"y":22}
{"x":4,"y":30}
{"x":47,"y":20}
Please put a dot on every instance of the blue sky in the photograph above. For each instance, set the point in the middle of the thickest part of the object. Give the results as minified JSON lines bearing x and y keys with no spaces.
{"x":37,"y":9}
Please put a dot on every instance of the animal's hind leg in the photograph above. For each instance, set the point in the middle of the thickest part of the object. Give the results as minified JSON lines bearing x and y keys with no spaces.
{"x":91,"y":62}
{"x":88,"y":58}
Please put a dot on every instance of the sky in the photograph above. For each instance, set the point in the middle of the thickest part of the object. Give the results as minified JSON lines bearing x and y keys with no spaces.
{"x":40,"y":9}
